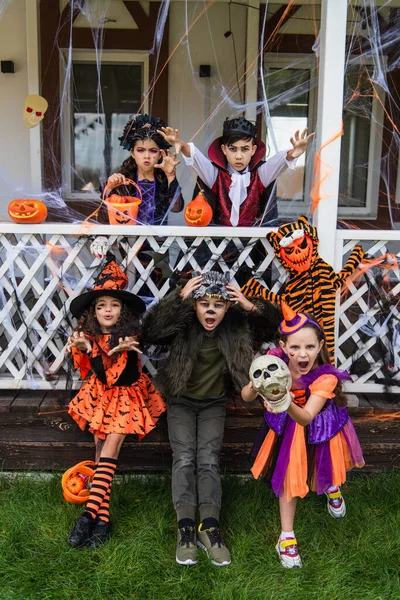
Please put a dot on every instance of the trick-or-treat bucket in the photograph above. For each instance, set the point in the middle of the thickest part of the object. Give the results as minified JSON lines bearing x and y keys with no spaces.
{"x":122,"y":210}
{"x":82,"y":472}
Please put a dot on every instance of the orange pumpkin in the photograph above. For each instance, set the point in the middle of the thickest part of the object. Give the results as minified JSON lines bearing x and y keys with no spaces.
{"x":198,"y":212}
{"x":27,"y":211}
{"x":75,"y":484}
{"x":298,"y":254}
{"x":85,"y":473}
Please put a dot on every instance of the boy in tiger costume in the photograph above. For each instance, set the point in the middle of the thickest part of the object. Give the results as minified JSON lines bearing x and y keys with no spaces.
{"x":313,"y":283}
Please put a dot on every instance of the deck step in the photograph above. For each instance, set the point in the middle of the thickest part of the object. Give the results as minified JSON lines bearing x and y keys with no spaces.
{"x":37,"y":433}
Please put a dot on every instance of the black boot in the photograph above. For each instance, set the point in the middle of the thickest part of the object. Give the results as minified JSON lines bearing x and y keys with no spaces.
{"x":82,"y":531}
{"x":100,"y":534}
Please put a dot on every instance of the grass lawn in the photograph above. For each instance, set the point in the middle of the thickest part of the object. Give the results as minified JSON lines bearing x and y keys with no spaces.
{"x":356,"y":558}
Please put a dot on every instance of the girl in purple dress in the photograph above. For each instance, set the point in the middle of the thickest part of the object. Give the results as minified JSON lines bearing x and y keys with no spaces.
{"x":313,"y":443}
{"x":152,"y":165}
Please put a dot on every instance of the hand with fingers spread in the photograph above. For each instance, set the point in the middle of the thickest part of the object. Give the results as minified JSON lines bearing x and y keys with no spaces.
{"x":168,"y":163}
{"x":236,"y":296}
{"x":171,"y":136}
{"x":192,"y":285}
{"x":79,"y":341}
{"x":129,"y":343}
{"x":116,"y":179}
{"x":299,"y":142}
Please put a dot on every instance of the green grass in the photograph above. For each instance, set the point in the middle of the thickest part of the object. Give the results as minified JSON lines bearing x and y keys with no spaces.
{"x":356,"y":558}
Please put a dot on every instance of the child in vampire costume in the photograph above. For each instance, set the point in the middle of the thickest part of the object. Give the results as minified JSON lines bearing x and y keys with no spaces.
{"x":236,"y":172}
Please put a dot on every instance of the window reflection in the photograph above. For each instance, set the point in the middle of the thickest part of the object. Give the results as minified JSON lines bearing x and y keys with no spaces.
{"x":99,"y":119}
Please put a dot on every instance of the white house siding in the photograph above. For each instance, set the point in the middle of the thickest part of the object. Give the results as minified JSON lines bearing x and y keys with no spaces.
{"x":15,"y":165}
{"x":192,"y":99}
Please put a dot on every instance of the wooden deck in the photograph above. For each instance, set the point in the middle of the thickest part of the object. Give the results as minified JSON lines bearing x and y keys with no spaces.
{"x":37,"y":433}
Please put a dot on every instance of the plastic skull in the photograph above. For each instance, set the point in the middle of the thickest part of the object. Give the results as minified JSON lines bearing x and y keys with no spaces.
{"x":34,"y":109}
{"x":271,"y":378}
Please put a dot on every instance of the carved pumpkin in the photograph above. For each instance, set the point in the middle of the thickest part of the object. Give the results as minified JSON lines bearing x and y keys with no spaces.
{"x":75,"y":484}
{"x":27,"y":211}
{"x":122,"y":210}
{"x":298,"y":254}
{"x":198,"y":212}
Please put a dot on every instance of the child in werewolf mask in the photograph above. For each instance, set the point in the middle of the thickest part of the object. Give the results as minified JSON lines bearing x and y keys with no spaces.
{"x":116,"y":397}
{"x":212,"y":333}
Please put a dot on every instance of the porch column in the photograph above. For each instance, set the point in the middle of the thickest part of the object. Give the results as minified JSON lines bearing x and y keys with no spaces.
{"x":332,"y":40}
{"x":252,"y":48}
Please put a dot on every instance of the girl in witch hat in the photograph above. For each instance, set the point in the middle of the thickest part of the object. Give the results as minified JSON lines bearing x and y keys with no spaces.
{"x":116,"y":398}
{"x":313,"y":443}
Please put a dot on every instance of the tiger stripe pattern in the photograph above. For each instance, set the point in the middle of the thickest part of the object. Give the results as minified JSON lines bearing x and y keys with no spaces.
{"x":313,"y":291}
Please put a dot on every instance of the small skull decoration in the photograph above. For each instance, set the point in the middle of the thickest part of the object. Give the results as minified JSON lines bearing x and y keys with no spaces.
{"x":99,"y":246}
{"x":34,"y":108}
{"x":271,"y":378}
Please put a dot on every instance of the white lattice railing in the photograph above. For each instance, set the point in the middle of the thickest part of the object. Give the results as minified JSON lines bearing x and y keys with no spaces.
{"x":43,"y":267}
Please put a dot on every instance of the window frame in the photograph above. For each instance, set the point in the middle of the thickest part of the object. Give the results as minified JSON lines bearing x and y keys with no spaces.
{"x":370,"y":211}
{"x":88,"y":57}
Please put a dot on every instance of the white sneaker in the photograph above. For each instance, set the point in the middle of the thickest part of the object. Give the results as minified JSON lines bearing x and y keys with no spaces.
{"x":288,"y":553}
{"x":336,"y":504}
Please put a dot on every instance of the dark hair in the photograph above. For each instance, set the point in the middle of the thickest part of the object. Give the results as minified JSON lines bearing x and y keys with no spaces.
{"x":127,"y":324}
{"x":143,"y":127}
{"x":129,"y":169}
{"x":323,"y":357}
{"x":232,"y":138}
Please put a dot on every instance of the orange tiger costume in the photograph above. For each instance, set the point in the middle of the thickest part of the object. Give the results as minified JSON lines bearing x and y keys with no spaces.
{"x":313,"y":283}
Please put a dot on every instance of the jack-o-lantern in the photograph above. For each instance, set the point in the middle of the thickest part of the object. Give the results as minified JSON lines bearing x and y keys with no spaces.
{"x":122,"y":210}
{"x":298,"y":253}
{"x":27,"y":211}
{"x":198,"y":212}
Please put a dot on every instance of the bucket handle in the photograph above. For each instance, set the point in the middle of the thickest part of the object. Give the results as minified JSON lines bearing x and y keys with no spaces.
{"x":109,"y":187}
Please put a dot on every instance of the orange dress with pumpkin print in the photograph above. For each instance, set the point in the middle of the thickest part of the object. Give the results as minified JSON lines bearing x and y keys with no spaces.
{"x":116,"y":396}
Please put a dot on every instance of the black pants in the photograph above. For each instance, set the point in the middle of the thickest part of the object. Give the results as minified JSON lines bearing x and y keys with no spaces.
{"x":196,"y":431}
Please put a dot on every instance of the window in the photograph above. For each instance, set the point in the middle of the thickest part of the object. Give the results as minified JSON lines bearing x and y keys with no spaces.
{"x":94,"y":116}
{"x":291,"y":97}
{"x":291,"y":84}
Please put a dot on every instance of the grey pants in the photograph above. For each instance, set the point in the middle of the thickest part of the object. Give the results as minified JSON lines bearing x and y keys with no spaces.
{"x":196,"y":431}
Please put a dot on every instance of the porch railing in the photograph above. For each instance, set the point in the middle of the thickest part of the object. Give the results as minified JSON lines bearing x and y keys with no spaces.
{"x":42,"y":267}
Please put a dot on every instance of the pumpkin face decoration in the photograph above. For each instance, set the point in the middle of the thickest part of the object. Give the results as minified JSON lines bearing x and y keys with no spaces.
{"x":122,"y":210}
{"x":198,"y":212}
{"x":27,"y":211}
{"x":297,"y":254}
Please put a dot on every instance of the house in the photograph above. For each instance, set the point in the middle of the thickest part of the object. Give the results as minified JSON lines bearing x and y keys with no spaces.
{"x":318,"y":63}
